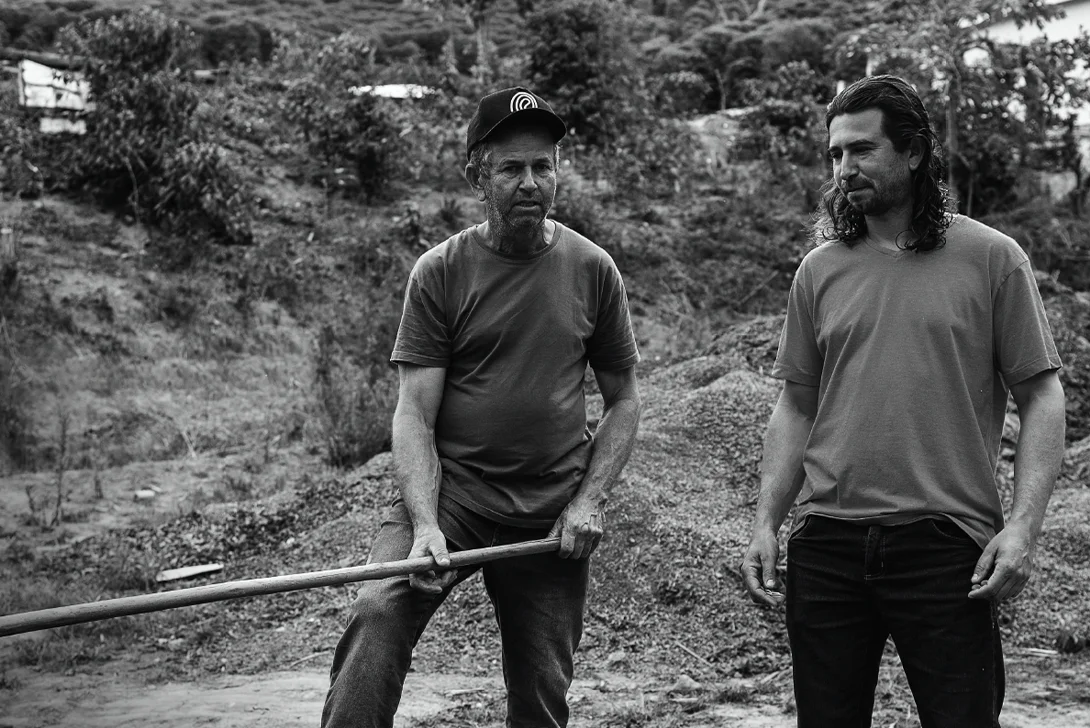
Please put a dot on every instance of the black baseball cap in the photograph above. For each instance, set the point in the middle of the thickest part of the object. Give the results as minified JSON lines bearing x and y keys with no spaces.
{"x":496,"y":109}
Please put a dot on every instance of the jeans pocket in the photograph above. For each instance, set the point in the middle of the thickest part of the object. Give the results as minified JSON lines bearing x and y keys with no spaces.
{"x":806,"y":528}
{"x":947,"y":529}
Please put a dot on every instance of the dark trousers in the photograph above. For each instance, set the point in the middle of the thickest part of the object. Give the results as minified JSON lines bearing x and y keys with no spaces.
{"x":851,"y":586}
{"x":538,"y":601}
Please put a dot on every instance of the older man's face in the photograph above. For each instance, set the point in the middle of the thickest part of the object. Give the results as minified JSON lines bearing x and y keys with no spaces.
{"x":520,"y":183}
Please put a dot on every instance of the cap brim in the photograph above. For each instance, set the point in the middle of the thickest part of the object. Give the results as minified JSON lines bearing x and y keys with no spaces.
{"x":543,"y":116}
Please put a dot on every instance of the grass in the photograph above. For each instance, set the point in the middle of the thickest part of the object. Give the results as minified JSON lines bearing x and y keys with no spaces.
{"x":27,"y":589}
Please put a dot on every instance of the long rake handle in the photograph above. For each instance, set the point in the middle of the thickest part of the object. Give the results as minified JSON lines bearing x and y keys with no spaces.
{"x":21,"y":622}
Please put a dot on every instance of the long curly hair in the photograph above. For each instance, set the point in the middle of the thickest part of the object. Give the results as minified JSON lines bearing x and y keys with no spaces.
{"x":904,"y":120}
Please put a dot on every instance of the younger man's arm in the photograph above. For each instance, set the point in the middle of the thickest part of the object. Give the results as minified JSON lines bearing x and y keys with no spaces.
{"x":1007,"y":563}
{"x":781,"y":479}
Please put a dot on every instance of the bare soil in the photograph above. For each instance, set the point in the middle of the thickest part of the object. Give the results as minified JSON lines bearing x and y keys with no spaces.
{"x":293,"y":699}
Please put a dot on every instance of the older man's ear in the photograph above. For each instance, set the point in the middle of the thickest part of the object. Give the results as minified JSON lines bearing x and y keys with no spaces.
{"x":473,"y":177}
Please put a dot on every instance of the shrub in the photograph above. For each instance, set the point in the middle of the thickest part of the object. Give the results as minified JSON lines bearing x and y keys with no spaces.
{"x":428,"y":42}
{"x":356,"y":407}
{"x":576,"y":207}
{"x":227,"y":43}
{"x":205,"y":193}
{"x":36,"y":32}
{"x":789,"y":41}
{"x":14,"y":20}
{"x":346,"y":59}
{"x":16,"y":441}
{"x":357,"y":131}
{"x":582,"y":61}
{"x":685,"y":92}
{"x":143,"y":151}
{"x":785,"y":121}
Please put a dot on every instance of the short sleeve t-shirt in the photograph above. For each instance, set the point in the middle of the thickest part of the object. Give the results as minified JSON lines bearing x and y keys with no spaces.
{"x":912,"y":354}
{"x":515,"y":336}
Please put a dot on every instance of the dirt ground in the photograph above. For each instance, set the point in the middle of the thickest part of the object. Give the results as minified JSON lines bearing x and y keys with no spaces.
{"x":294,"y":700}
{"x":645,"y":681}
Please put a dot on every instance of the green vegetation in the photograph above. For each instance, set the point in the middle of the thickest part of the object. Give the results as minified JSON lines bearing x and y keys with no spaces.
{"x":333,"y":194}
{"x":209,"y":283}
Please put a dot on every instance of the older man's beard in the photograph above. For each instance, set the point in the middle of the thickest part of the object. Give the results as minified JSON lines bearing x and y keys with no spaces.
{"x":507,"y":232}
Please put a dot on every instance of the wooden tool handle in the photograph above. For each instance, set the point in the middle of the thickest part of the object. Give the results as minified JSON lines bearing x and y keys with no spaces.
{"x":21,"y":622}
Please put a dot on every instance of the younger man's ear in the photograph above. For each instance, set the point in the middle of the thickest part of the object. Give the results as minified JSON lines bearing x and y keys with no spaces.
{"x":916,"y":151}
{"x":473,"y":177}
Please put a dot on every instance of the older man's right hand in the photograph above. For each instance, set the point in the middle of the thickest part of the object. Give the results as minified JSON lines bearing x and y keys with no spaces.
{"x":430,"y":541}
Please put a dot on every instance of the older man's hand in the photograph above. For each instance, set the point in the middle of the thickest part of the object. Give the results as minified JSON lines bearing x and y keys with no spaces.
{"x":430,"y":541}
{"x":580,"y":528}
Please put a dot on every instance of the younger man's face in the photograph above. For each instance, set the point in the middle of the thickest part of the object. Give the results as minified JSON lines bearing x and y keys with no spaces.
{"x":874,"y":177}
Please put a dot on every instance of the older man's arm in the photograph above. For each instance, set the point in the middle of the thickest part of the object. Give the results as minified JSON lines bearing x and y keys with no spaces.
{"x":416,"y":464}
{"x":581,"y":525}
{"x":1007,"y":563}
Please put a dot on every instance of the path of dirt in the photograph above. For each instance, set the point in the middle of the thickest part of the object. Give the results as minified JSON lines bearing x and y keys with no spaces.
{"x":294,"y":700}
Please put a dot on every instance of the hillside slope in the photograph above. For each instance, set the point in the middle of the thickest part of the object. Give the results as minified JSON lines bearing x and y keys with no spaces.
{"x":170,"y":386}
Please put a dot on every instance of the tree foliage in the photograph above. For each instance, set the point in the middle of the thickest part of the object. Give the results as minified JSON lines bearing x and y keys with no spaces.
{"x":732,"y":55}
{"x":582,"y":62}
{"x":479,"y":14}
{"x":143,"y":150}
{"x":1000,"y":107}
{"x":346,"y":130}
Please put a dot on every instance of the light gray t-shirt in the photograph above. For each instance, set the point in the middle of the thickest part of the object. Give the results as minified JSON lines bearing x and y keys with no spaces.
{"x":515,"y":336}
{"x":912,"y":354}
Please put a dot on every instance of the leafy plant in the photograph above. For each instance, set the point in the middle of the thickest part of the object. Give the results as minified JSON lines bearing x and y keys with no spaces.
{"x":356,"y":406}
{"x":971,"y":84}
{"x":582,"y":61}
{"x":143,"y":151}
{"x":346,"y":129}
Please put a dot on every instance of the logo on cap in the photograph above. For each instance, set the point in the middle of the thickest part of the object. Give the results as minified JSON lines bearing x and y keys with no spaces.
{"x":522,"y":101}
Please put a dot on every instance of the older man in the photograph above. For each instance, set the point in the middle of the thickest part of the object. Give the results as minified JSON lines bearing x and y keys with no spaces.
{"x":490,"y":437}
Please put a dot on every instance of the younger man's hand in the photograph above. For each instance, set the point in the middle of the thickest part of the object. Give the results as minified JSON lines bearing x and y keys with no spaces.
{"x":758,"y":570}
{"x":1005,"y":566}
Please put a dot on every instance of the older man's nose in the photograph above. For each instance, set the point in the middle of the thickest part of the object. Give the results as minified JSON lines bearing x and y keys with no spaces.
{"x":527,"y":178}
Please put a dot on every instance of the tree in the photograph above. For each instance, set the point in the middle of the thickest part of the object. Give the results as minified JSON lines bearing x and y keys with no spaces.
{"x":991,"y":99}
{"x":345,"y":130}
{"x":478,"y":14}
{"x":144,"y":150}
{"x":582,"y":61}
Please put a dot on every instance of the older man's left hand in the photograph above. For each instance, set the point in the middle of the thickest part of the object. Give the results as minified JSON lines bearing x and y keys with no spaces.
{"x":580,"y":528}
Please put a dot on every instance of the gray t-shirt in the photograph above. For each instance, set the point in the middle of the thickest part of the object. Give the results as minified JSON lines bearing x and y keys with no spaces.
{"x":912,"y":354}
{"x":515,"y":336}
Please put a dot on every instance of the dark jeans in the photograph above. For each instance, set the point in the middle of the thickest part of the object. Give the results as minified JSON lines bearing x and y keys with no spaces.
{"x":851,"y":586}
{"x":538,"y":601}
